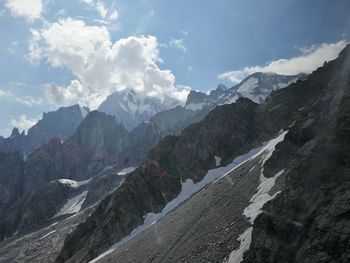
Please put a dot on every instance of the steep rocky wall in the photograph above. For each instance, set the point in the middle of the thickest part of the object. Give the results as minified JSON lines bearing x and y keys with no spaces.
{"x":310,"y":220}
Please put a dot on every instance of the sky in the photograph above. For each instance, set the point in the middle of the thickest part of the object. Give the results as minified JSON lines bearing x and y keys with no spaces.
{"x":59,"y":53}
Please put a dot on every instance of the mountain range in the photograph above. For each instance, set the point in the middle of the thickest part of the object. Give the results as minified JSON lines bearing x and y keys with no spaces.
{"x":307,"y":216}
{"x":60,"y":124}
{"x":256,"y":87}
{"x":255,"y":173}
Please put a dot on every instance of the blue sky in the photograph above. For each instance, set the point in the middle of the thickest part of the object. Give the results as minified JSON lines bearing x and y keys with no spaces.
{"x":55,"y":53}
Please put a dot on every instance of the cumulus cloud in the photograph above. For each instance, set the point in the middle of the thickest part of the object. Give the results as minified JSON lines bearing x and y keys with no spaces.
{"x":28,"y":9}
{"x":101,"y":66}
{"x":23,"y":122}
{"x":310,"y":59}
{"x":65,"y":95}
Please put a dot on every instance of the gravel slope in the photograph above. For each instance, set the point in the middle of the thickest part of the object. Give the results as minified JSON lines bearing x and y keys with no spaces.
{"x":41,"y":246}
{"x":203,"y":229}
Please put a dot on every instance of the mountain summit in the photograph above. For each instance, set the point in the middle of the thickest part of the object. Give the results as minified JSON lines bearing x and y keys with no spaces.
{"x":255,"y":87}
{"x":132,"y":108}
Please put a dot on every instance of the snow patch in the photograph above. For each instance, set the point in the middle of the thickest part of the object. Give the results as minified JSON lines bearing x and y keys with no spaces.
{"x":72,"y":183}
{"x":232,"y":99}
{"x":217,"y":161}
{"x":248,"y":86}
{"x":245,"y":239}
{"x":73,"y":205}
{"x":258,"y":200}
{"x":84,"y":111}
{"x":195,"y":106}
{"x":48,"y":234}
{"x":261,"y":197}
{"x":126,"y":171}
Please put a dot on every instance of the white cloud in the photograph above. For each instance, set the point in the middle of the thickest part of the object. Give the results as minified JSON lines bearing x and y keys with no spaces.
{"x":99,"y":65}
{"x":29,"y":101}
{"x":113,"y":16}
{"x":28,"y":9}
{"x":178,"y":43}
{"x":185,"y":33}
{"x":23,"y":123}
{"x":5,"y":93}
{"x":310,"y":59}
{"x":101,"y":8}
{"x":26,"y":100}
{"x":109,"y":15}
{"x":65,"y":95}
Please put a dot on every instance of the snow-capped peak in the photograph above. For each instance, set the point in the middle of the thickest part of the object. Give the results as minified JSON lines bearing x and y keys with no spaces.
{"x":256,"y":87}
{"x":131,"y":107}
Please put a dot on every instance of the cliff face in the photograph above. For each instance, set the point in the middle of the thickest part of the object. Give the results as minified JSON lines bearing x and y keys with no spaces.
{"x":309,"y":220}
{"x":304,"y":108}
{"x":11,"y":178}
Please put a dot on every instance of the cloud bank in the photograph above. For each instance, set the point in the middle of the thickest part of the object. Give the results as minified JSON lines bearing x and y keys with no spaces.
{"x":310,"y":59}
{"x":99,"y":65}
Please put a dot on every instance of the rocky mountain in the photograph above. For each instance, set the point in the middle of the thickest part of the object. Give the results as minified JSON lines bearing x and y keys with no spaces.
{"x":58,"y":199}
{"x":227,"y":161}
{"x":60,"y":124}
{"x":132,"y":108}
{"x":168,"y":122}
{"x":309,"y":220}
{"x":256,"y":87}
{"x":96,"y":144}
{"x":307,"y":157}
{"x":11,"y":178}
{"x":99,"y":141}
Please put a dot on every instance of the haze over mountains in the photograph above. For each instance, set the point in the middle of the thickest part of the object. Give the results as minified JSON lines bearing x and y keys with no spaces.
{"x":82,"y":183}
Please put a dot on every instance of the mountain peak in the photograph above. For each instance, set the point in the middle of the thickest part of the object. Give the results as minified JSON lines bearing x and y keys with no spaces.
{"x":221,"y":87}
{"x":255,"y":87}
{"x":15,"y":132}
{"x":132,"y":107}
{"x":61,"y":123}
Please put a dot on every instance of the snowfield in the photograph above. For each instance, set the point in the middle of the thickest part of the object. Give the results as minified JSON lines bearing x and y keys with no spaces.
{"x":73,"y":205}
{"x":72,"y":183}
{"x":127,"y":170}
